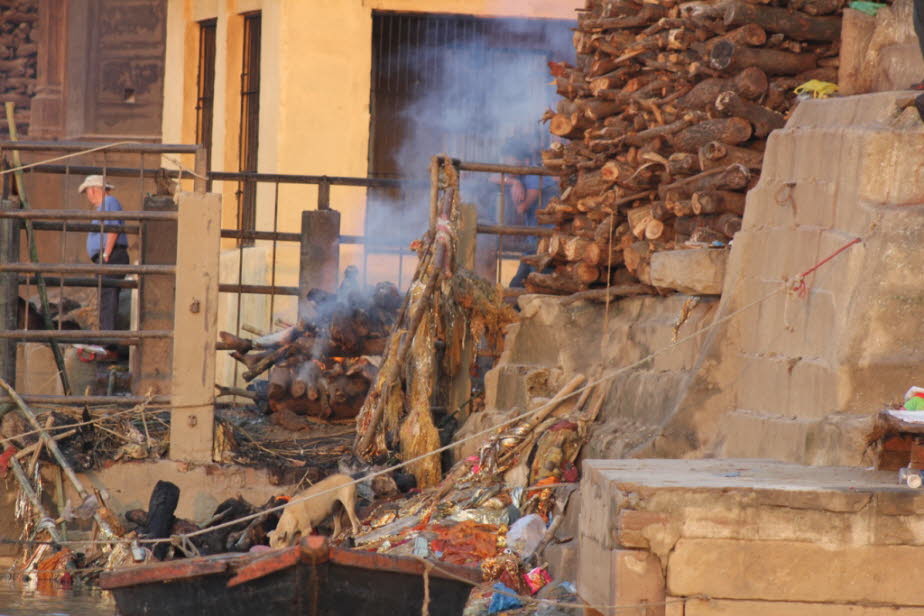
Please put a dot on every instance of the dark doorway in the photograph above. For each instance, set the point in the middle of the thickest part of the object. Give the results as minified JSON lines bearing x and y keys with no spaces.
{"x":458,"y":85}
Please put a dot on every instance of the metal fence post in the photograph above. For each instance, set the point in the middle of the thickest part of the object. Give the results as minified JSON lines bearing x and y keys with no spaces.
{"x":320,"y":253}
{"x":201,"y":164}
{"x":195,"y":326}
{"x":152,"y":360}
{"x":9,"y":292}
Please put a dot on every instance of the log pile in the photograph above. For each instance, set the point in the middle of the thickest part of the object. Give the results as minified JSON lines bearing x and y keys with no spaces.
{"x":663,"y":124}
{"x":322,"y":367}
{"x":18,"y":57}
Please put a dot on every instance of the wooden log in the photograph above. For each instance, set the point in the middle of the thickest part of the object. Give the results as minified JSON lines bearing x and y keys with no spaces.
{"x":552,"y":284}
{"x":762,"y":119}
{"x":667,"y":130}
{"x":603,"y":256}
{"x":733,"y":177}
{"x":726,"y":130}
{"x":658,"y":230}
{"x":570,"y":126}
{"x":727,"y":224}
{"x":817,"y":7}
{"x":583,"y":273}
{"x":575,"y":248}
{"x":596,"y":110}
{"x":682,"y":163}
{"x":280,"y":378}
{"x":589,"y":183}
{"x":718,"y":201}
{"x":727,"y":56}
{"x":647,"y":14}
{"x":613,"y":80}
{"x":751,"y":83}
{"x":304,"y":380}
{"x":717,"y":154}
{"x":751,"y":35}
{"x":677,"y":206}
{"x":792,"y":24}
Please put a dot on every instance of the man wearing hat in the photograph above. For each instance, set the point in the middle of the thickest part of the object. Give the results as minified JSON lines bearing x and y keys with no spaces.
{"x":106,"y":247}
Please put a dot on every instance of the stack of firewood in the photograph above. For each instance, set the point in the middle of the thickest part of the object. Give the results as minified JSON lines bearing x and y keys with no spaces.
{"x":663,"y":125}
{"x":323,"y":367}
{"x":18,"y":57}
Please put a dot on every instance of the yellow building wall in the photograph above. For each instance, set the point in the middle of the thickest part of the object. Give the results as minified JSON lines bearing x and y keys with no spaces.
{"x":316,"y":64}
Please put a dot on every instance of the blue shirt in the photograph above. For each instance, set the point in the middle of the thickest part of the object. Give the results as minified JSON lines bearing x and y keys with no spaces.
{"x":94,"y":239}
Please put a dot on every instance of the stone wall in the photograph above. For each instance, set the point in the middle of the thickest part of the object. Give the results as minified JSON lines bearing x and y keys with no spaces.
{"x":557,"y":339}
{"x":745,"y":537}
{"x":795,"y":377}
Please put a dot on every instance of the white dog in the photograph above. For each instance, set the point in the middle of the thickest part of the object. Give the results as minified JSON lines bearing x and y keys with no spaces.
{"x":299,"y":517}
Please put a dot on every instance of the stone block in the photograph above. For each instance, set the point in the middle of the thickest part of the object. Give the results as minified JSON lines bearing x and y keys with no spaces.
{"x":748,"y":433}
{"x":638,"y":581}
{"x":698,"y":271}
{"x":721,"y":607}
{"x":796,"y":572}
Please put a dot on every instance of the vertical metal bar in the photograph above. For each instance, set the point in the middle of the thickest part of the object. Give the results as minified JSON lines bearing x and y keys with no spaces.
{"x":240,"y":277}
{"x":9,"y":292}
{"x":200,"y":167}
{"x":324,"y":194}
{"x":500,"y":220}
{"x":273,"y":265}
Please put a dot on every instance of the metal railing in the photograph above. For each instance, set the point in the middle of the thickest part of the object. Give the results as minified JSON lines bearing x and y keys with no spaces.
{"x":59,"y":158}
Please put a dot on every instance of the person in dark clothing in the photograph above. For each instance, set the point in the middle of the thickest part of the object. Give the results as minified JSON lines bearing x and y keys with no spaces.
{"x":105,"y":248}
{"x":529,"y":193}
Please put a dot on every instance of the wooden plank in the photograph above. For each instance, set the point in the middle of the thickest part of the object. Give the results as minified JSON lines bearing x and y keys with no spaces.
{"x":171,"y":570}
{"x":195,"y":327}
{"x":399,"y":564}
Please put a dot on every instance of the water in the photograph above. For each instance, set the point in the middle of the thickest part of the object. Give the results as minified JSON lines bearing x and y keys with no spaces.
{"x":19,"y":601}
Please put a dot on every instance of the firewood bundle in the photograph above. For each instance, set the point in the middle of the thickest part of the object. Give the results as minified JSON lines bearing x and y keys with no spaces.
{"x":18,"y":56}
{"x":663,"y":123}
{"x":323,"y":367}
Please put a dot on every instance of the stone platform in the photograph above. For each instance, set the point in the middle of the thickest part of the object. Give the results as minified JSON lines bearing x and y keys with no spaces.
{"x":735,"y":537}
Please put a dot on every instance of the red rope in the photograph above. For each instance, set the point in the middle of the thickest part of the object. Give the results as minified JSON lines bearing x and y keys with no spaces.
{"x":798,"y":285}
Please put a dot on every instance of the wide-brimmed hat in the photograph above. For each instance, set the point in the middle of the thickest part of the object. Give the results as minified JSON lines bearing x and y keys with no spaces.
{"x":93,"y":180}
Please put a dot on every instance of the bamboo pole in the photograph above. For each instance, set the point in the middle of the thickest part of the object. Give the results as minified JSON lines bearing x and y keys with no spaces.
{"x":33,"y":251}
{"x":52,"y":447}
{"x":29,"y":491}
